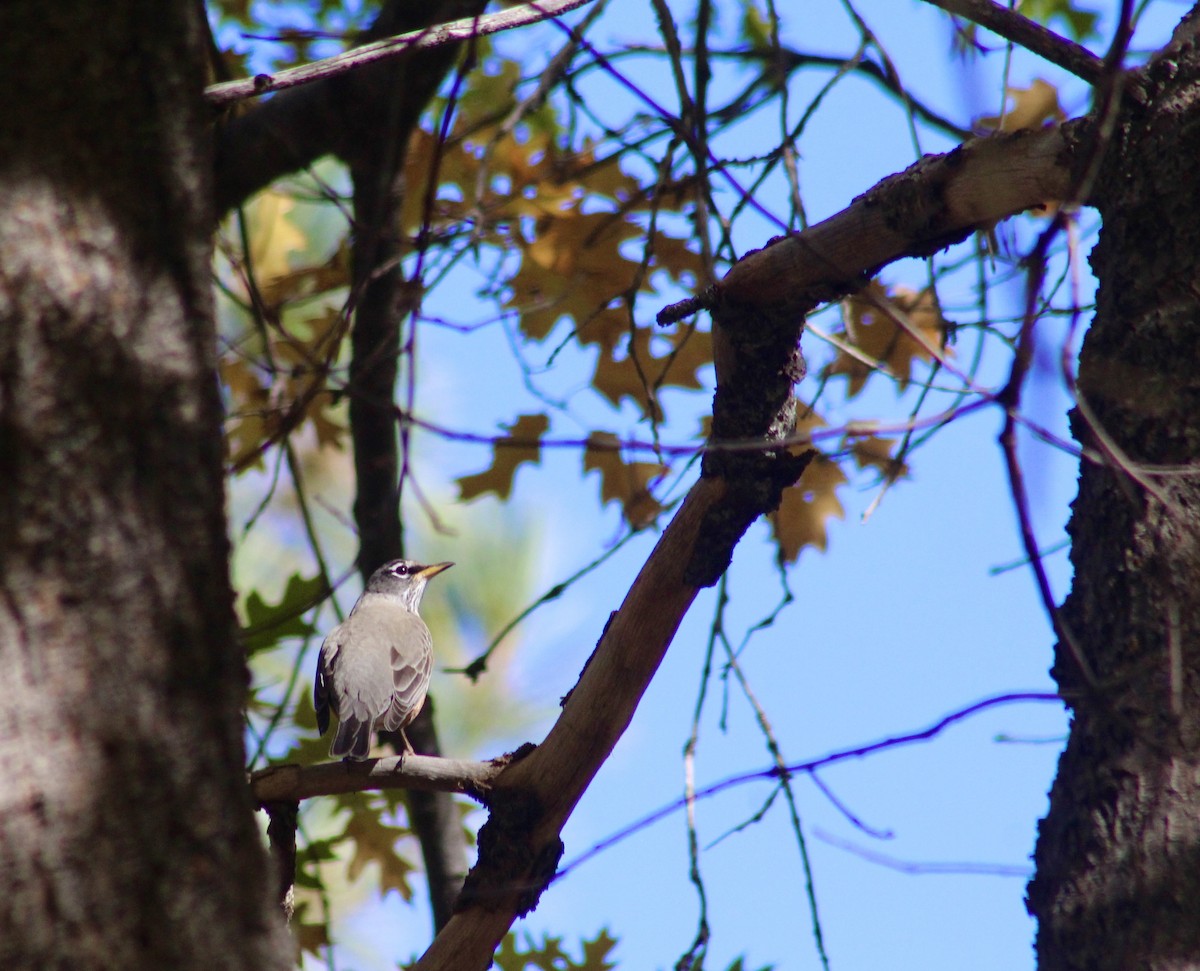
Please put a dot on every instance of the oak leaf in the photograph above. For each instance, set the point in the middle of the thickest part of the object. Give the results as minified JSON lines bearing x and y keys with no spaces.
{"x":628,"y":482}
{"x":877,"y":324}
{"x":375,"y":842}
{"x":274,"y":237}
{"x":639,"y":374}
{"x":804,"y":507}
{"x":521,"y":444}
{"x":800,"y":519}
{"x":870,"y":450}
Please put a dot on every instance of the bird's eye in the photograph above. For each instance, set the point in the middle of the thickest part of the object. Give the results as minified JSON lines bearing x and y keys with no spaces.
{"x":400,"y":569}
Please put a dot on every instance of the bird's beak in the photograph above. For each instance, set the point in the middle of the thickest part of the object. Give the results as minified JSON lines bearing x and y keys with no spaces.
{"x":431,"y":571}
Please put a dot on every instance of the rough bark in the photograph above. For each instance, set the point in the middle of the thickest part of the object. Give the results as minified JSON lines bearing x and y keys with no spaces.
{"x":1118,"y":855}
{"x":126,"y":829}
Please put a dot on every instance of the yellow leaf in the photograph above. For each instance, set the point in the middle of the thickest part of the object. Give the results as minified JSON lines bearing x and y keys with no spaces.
{"x":273,"y":236}
{"x":457,"y":167}
{"x":1031,"y":108}
{"x":522,"y":444}
{"x":490,"y":90}
{"x":309,"y":281}
{"x":877,"y":324}
{"x":627,"y":482}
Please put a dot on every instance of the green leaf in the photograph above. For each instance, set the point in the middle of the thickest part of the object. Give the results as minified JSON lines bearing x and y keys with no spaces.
{"x":266,"y":625}
{"x":313,"y":853}
{"x":550,"y":956}
{"x":1080,"y":23}
{"x":375,"y":842}
{"x":739,"y":964}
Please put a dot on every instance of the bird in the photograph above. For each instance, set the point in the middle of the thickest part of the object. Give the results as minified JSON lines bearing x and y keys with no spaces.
{"x":373,"y":668}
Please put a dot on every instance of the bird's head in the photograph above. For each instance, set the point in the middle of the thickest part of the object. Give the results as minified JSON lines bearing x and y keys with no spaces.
{"x":405,"y":579}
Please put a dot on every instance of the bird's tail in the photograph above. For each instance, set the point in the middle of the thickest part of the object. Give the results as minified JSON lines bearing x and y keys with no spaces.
{"x":352,"y":741}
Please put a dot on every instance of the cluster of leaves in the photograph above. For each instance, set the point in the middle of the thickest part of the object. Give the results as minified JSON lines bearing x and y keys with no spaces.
{"x":549,"y":955}
{"x":566,"y":217}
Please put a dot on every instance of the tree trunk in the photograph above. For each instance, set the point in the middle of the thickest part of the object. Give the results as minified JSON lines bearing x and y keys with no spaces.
{"x":1118,"y":855}
{"x":127,"y":838}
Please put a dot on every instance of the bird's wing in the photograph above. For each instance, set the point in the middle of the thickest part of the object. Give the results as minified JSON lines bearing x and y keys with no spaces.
{"x":322,"y":702}
{"x":354,"y":675}
{"x":411,"y":663}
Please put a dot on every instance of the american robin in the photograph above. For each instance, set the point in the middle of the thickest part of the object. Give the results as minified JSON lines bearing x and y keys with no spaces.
{"x":373,"y":669}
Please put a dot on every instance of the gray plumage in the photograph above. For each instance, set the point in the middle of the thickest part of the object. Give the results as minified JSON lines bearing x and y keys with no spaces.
{"x":373,"y":669}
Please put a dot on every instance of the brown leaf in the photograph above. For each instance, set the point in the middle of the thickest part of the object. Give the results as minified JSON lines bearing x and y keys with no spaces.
{"x":628,"y":482}
{"x":675,"y":256}
{"x":877,"y":452}
{"x":803,"y":509}
{"x":245,"y":428}
{"x":800,"y":519}
{"x":522,"y":444}
{"x":639,"y":374}
{"x":605,"y":327}
{"x":1031,"y":108}
{"x":311,"y":937}
{"x":573,"y":267}
{"x":261,"y":413}
{"x":873,"y":320}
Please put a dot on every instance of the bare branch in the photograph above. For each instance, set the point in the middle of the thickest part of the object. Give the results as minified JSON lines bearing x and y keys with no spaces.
{"x":220,"y":95}
{"x":935,"y":202}
{"x":809,"y":767}
{"x":286,"y":783}
{"x":534,"y":797}
{"x":1029,"y":34}
{"x":758,"y":314}
{"x":293,"y":129}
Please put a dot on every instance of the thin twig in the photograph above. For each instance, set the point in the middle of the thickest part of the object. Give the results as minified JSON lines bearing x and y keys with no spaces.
{"x":844,"y":755}
{"x":1035,"y":38}
{"x":220,"y":95}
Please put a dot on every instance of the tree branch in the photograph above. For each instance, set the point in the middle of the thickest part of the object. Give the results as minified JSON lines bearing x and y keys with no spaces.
{"x":519,"y":845}
{"x":1029,"y":34}
{"x":228,"y":92}
{"x":935,"y":202}
{"x":290,"y":783}
{"x":758,"y":312}
{"x":788,"y":61}
{"x":295,"y":128}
